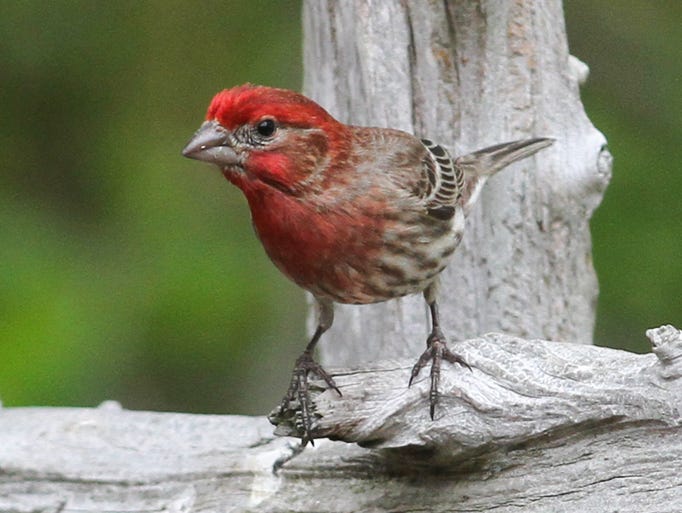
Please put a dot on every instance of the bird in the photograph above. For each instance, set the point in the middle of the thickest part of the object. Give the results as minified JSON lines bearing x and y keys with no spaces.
{"x":352,"y":214}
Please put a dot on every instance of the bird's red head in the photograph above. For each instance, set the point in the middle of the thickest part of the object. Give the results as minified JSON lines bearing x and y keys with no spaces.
{"x":248,"y":104}
{"x":266,"y":136}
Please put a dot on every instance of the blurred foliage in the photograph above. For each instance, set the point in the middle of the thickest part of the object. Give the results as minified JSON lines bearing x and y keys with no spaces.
{"x":634,"y":96}
{"x":127,"y":272}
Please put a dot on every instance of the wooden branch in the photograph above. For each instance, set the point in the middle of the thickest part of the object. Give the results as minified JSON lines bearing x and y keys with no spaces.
{"x":517,"y":390}
{"x":534,"y":426}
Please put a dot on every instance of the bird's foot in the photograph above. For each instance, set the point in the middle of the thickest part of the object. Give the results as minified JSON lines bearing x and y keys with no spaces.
{"x":436,"y":351}
{"x":299,"y":392}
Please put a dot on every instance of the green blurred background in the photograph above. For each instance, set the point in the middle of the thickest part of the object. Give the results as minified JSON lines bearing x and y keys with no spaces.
{"x":130,"y":273}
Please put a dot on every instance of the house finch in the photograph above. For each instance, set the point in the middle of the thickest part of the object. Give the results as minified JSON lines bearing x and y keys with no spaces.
{"x":351,"y":214}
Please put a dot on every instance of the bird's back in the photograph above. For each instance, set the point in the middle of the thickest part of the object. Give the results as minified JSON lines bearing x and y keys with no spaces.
{"x":370,"y":233}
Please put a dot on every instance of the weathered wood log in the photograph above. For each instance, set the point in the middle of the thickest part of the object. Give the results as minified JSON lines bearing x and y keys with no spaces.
{"x":535,"y":427}
{"x":468,"y":74}
{"x":516,"y":391}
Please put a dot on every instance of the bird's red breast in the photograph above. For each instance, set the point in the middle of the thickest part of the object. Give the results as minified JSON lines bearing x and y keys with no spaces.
{"x":340,"y":210}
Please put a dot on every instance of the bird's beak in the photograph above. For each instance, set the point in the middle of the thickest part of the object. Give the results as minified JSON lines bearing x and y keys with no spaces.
{"x":211,"y":144}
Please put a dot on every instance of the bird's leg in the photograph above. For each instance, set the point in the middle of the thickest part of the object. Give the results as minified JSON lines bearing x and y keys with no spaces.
{"x":436,"y":351}
{"x":298,"y":387}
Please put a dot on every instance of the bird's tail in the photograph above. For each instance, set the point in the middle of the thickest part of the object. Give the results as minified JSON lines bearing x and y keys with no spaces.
{"x":481,"y":164}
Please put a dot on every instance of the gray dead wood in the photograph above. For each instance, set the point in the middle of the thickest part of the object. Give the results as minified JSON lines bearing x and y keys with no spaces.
{"x":535,"y":427}
{"x":468,"y":74}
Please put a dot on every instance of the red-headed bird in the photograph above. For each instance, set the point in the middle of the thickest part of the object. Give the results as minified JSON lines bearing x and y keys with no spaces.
{"x":351,"y":214}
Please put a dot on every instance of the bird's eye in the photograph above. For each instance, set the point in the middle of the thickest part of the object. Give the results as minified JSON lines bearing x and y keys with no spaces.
{"x":266,"y":127}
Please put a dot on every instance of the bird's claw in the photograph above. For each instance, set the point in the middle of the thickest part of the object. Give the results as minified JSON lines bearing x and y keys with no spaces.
{"x":298,"y":392}
{"x":436,"y":351}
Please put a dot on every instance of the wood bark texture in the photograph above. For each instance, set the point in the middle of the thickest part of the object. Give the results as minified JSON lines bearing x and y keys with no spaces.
{"x":535,"y":427}
{"x":468,"y":74}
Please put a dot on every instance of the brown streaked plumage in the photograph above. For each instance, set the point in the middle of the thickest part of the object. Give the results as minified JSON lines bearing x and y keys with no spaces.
{"x":351,"y":214}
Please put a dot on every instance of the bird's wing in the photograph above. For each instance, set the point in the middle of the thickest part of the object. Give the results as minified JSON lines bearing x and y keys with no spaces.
{"x":447,"y":177}
{"x":421,"y":172}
